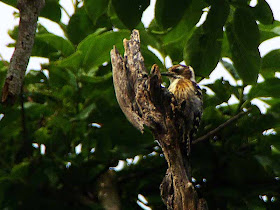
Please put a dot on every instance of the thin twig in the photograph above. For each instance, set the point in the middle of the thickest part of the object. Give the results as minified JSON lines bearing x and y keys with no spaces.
{"x":23,"y":123}
{"x":241,"y":98}
{"x":220,"y":127}
{"x":26,"y":147}
{"x":68,"y":15}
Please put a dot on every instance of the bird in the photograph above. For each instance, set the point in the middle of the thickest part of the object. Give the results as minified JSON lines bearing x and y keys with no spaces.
{"x":188,"y":96}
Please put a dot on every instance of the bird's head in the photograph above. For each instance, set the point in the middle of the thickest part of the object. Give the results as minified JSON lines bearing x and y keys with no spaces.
{"x":180,"y":72}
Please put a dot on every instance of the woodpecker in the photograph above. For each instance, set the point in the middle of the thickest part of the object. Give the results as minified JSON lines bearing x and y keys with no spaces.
{"x":189,"y":99}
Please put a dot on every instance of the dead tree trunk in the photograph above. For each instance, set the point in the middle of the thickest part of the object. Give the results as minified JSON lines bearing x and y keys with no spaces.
{"x":145,"y":102}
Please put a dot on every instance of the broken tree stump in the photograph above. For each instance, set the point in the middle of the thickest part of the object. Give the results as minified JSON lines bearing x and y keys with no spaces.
{"x":145,"y":102}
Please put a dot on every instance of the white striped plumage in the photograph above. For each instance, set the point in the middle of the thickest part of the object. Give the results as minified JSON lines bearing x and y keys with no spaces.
{"x":189,"y":99}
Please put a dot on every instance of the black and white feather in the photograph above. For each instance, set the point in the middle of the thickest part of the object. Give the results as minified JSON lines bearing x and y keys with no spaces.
{"x":189,"y":98}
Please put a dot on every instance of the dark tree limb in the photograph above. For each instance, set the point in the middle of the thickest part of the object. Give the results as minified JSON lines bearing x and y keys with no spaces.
{"x":29,"y":12}
{"x":26,"y":145}
{"x":145,"y":103}
{"x":220,"y":127}
{"x":107,"y":191}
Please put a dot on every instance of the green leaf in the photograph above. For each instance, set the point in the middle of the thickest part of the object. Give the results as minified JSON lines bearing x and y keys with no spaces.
{"x":58,"y":77}
{"x":198,"y":49}
{"x":210,"y":101}
{"x":222,"y":89}
{"x":73,"y":61}
{"x":269,"y":31}
{"x":207,"y":40}
{"x":51,"y":10}
{"x":100,"y":47}
{"x":96,"y":79}
{"x":238,"y":3}
{"x":147,"y":38}
{"x":169,"y":13}
{"x":80,"y":25}
{"x":3,"y":72}
{"x":243,"y":23}
{"x":274,"y":140}
{"x":42,"y":135}
{"x":130,"y":11}
{"x":265,"y":161}
{"x":115,"y":20}
{"x":175,"y":40}
{"x":84,"y":113}
{"x":175,"y":51}
{"x":230,"y":68}
{"x":270,"y":63}
{"x":84,"y":45}
{"x":263,"y":12}
{"x":13,"y":33}
{"x":186,"y":24}
{"x":50,"y":45}
{"x":58,"y":122}
{"x":20,"y":170}
{"x":95,"y":8}
{"x":33,"y":77}
{"x":62,"y":45}
{"x":269,"y":88}
{"x":243,"y":36}
{"x":150,"y":59}
{"x":43,"y":49}
{"x":12,"y":3}
{"x":217,"y":16}
{"x":225,"y":47}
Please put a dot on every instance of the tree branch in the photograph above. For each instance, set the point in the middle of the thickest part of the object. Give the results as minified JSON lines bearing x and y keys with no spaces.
{"x":29,"y":12}
{"x":145,"y":103}
{"x":220,"y":127}
{"x":107,"y":191}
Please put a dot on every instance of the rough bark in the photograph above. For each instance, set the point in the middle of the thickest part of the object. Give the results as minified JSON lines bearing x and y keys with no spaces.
{"x":146,"y":103}
{"x":29,"y":12}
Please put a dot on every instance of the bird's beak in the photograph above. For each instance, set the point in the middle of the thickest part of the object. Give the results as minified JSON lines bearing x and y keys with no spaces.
{"x":168,"y":74}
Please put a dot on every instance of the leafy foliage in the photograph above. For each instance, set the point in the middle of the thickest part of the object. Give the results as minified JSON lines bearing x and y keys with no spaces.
{"x":207,"y":40}
{"x":70,"y":104}
{"x":243,"y":34}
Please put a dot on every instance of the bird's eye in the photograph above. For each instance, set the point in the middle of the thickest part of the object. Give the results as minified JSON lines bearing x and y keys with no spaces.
{"x":176,"y":70}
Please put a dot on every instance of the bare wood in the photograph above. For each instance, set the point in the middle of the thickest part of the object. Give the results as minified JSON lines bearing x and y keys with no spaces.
{"x":145,"y":103}
{"x":29,"y":12}
{"x":220,"y":127}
